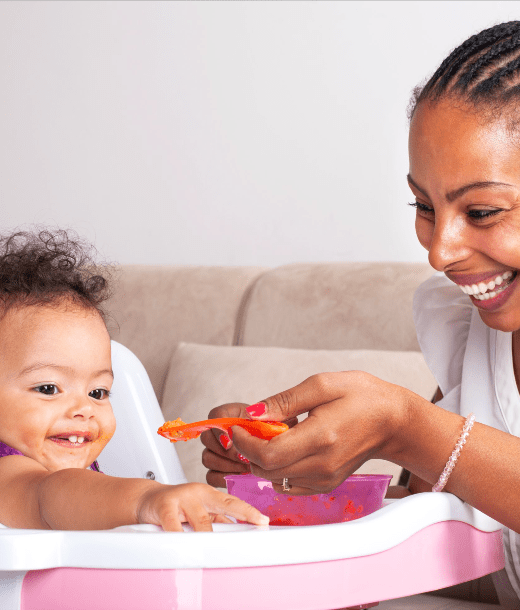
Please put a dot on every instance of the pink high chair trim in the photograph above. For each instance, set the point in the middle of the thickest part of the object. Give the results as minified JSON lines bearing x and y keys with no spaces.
{"x":435,"y":557}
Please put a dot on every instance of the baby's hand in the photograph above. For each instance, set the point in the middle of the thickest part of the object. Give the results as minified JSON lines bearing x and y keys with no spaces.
{"x":195,"y":503}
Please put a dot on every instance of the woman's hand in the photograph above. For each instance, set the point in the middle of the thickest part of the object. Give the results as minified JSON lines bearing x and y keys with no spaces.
{"x":194,"y":503}
{"x":353,"y":417}
{"x":220,"y":455}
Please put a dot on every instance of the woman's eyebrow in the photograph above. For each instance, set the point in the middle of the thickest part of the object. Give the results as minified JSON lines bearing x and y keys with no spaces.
{"x":452,"y":195}
{"x":409,"y":178}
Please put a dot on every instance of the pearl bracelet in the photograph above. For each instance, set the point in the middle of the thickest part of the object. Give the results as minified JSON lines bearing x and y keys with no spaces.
{"x":443,"y":479}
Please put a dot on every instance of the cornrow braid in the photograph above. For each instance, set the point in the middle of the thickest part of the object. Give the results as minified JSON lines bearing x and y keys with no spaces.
{"x":486,"y":59}
{"x":485,"y":69}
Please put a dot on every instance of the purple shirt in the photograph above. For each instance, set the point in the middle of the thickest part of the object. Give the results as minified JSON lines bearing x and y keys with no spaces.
{"x":6,"y":450}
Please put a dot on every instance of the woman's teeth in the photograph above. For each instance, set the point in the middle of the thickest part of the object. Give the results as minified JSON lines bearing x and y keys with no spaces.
{"x":479,"y":291}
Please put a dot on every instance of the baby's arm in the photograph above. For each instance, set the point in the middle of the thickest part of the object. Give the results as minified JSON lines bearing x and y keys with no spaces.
{"x":76,"y":499}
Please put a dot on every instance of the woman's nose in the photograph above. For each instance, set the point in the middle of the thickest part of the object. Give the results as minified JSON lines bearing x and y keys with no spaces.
{"x":449,"y":243}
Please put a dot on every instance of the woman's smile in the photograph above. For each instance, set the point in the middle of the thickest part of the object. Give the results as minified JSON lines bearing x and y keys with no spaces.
{"x":487,"y":291}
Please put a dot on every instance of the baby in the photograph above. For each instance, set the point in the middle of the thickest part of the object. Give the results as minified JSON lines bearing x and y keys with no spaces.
{"x":55,"y":413}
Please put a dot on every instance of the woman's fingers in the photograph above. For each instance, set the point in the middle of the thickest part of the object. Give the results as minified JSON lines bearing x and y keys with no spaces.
{"x":216,"y":478}
{"x":213,"y":461}
{"x":217,"y":440}
{"x":313,"y":392}
{"x":314,"y":435}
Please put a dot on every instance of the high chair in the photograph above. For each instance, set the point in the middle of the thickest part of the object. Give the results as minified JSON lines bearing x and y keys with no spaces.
{"x":417,"y":544}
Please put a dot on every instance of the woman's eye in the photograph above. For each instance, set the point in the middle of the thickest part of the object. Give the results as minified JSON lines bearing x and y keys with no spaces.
{"x":421,"y":207}
{"x":482,"y":214}
{"x":47,"y":388}
{"x":99,"y":394}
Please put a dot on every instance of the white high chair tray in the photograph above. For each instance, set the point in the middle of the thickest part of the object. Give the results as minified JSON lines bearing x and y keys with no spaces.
{"x":234,"y":545}
{"x":410,"y":546}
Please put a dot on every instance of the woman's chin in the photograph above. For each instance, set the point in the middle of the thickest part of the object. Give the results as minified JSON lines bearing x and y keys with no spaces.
{"x":499,"y":320}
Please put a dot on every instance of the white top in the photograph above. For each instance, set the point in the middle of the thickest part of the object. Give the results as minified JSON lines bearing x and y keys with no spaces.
{"x":473,"y":365}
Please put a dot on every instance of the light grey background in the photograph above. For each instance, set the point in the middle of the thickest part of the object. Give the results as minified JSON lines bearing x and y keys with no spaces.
{"x":220,"y":132}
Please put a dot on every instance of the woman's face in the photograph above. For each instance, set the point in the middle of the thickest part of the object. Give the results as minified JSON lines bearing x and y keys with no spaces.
{"x":465,"y":175}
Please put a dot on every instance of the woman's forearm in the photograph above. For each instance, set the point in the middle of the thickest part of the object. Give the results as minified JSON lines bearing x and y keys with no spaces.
{"x":487,"y":472}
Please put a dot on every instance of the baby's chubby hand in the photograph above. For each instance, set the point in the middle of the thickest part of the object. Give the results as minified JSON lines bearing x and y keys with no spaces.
{"x":195,"y":503}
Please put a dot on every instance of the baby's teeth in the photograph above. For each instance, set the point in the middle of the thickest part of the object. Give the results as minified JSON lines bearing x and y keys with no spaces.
{"x":81,"y":439}
{"x":73,"y":439}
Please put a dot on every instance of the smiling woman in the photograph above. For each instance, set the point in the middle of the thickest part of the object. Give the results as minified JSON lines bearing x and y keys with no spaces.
{"x":464,"y":173}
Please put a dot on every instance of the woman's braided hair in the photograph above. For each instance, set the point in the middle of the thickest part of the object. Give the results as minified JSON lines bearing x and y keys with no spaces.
{"x":48,"y":267}
{"x":483,"y":71}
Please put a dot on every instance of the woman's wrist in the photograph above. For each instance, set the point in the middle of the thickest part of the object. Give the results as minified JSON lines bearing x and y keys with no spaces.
{"x":426,"y":438}
{"x":397,"y":423}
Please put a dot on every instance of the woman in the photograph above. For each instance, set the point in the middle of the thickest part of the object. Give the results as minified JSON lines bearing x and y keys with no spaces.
{"x":465,"y":174}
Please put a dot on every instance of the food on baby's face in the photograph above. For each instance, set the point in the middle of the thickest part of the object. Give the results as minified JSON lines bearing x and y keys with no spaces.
{"x":178,"y":430}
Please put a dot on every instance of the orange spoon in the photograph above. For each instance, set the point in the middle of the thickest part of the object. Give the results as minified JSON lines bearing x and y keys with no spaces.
{"x":179,"y":431}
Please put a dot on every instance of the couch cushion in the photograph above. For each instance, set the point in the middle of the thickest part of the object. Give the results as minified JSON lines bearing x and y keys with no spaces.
{"x":201,"y":377}
{"x":333,"y":306}
{"x":155,"y":307}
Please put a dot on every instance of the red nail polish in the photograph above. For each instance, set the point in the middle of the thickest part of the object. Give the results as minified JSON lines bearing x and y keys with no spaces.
{"x":257,"y":409}
{"x":224,"y":441}
{"x":242,"y":458}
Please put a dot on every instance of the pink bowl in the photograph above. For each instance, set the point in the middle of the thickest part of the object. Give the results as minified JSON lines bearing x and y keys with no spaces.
{"x":357,"y":496}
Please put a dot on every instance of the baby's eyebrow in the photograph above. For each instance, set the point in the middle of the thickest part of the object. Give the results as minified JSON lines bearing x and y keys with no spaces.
{"x":48,"y":365}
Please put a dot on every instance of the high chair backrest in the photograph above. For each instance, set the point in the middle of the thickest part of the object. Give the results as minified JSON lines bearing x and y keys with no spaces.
{"x":136,"y":450}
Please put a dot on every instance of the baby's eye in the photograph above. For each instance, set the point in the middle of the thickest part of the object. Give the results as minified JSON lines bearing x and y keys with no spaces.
{"x":99,"y":394}
{"x":47,"y":388}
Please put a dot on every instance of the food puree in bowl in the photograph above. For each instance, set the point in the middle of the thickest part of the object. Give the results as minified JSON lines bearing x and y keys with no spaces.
{"x":357,"y":496}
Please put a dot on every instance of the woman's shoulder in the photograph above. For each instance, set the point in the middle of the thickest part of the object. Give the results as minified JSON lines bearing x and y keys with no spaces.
{"x":442,"y":316}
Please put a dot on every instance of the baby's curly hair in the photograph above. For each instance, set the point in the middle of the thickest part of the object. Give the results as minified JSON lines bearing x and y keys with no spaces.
{"x":48,"y":267}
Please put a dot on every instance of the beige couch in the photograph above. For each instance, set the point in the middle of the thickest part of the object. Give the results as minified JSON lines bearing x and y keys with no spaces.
{"x":209,"y":335}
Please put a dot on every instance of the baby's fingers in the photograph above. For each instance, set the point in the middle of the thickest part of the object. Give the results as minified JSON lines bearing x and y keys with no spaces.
{"x":233,"y":507}
{"x":171,"y":521}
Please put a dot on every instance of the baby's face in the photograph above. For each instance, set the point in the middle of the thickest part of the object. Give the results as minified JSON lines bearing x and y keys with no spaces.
{"x":55,"y":377}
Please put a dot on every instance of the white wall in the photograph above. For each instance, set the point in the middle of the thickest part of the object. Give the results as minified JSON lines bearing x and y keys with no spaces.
{"x":220,"y":133}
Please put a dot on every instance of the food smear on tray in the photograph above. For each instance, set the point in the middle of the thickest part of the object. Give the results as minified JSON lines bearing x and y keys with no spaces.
{"x":178,"y":430}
